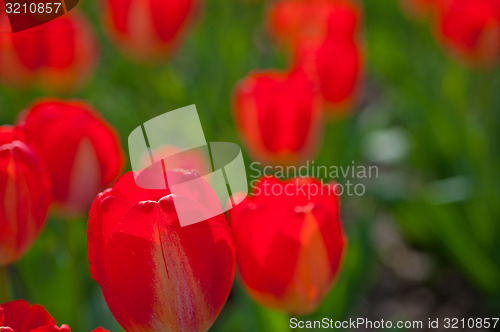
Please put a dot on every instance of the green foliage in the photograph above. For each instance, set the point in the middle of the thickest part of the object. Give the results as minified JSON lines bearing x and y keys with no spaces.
{"x":449,"y":113}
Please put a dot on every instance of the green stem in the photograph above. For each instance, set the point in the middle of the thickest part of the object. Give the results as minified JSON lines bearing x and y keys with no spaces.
{"x":4,"y":285}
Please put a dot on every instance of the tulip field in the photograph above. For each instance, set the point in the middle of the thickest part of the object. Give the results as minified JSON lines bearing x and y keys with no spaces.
{"x":368,"y":133}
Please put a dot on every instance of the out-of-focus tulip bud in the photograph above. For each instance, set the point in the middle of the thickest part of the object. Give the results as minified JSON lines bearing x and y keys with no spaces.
{"x":470,"y":30}
{"x":25,"y":195}
{"x":289,"y":243}
{"x":176,"y":278}
{"x":278,"y":116}
{"x":20,"y":316}
{"x":322,"y":35}
{"x":148,"y":30}
{"x":291,"y":21}
{"x":336,"y":64}
{"x":59,"y":55}
{"x":81,"y":151}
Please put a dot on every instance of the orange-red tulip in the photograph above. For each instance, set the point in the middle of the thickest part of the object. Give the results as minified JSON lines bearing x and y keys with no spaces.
{"x":81,"y":151}
{"x":289,"y":243}
{"x":58,"y":56}
{"x":25,"y":195}
{"x":278,"y":116}
{"x":154,"y":274}
{"x":148,"y":30}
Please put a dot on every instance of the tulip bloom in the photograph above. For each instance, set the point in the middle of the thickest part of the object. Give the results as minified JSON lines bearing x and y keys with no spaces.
{"x":322,"y":35}
{"x":20,"y":316}
{"x":291,"y":21}
{"x":336,"y":65}
{"x":470,"y":29}
{"x":147,"y":30}
{"x":289,"y":243}
{"x":154,"y":274}
{"x":81,"y":151}
{"x":25,"y":194}
{"x":278,"y":116}
{"x":59,"y":55}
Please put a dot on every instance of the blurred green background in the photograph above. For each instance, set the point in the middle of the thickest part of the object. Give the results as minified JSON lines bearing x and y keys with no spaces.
{"x":423,"y":241}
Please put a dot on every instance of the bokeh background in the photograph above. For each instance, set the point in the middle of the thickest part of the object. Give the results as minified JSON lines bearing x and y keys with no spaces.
{"x":423,"y":240}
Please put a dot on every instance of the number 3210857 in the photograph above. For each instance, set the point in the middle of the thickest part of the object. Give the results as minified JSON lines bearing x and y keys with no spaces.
{"x":32,"y":8}
{"x":470,"y":323}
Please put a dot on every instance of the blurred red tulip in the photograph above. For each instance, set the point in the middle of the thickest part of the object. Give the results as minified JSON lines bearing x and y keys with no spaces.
{"x":154,"y":274}
{"x":336,"y":65}
{"x":278,"y":116}
{"x":20,"y":316}
{"x":148,"y":30}
{"x":470,"y":29}
{"x":81,"y":151}
{"x":25,"y":196}
{"x":292,"y":21}
{"x":322,"y":35}
{"x":289,"y":243}
{"x":57,"y":56}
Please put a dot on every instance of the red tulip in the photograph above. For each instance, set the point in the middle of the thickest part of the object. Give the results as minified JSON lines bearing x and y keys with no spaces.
{"x":81,"y":151}
{"x":59,"y":55}
{"x":336,"y":65}
{"x":20,"y":316}
{"x":148,"y":30}
{"x":25,"y":196}
{"x":289,"y":243}
{"x":322,"y":35}
{"x":154,"y":274}
{"x":470,"y":30}
{"x":292,"y":21}
{"x":278,"y":116}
